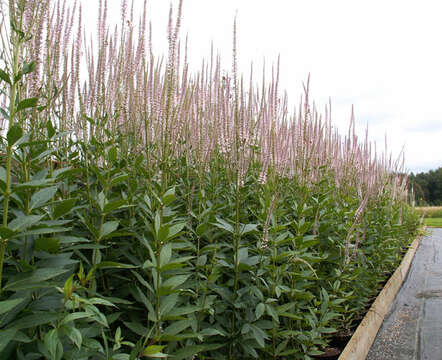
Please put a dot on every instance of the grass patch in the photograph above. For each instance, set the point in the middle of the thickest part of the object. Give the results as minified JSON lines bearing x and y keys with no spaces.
{"x":433,"y":222}
{"x":432,"y":215}
{"x":430,"y":211}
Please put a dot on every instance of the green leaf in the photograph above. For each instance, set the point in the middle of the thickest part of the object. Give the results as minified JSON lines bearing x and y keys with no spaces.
{"x":50,"y":130}
{"x":168,"y":197}
{"x":163,"y":233}
{"x":4,"y":113}
{"x":7,"y":305}
{"x":51,"y":343}
{"x":6,"y":233}
{"x":211,"y":332}
{"x":290,"y":316}
{"x":157,"y":223}
{"x":14,"y":134}
{"x":29,"y":67}
{"x":259,"y":311}
{"x":69,"y":287}
{"x":112,"y":154}
{"x":243,"y":254}
{"x":108,"y":228}
{"x":271,"y":311}
{"x":34,"y":320}
{"x":18,"y":76}
{"x":154,"y":351}
{"x":118,"y":179}
{"x":27,"y":103}
{"x":2,"y":174}
{"x":93,"y":345}
{"x":64,"y":207}
{"x":20,"y":336}
{"x":192,"y":350}
{"x":168,"y":303}
{"x":23,"y":222}
{"x":315,"y":352}
{"x":121,"y":357}
{"x":137,"y":328}
{"x":45,"y":230}
{"x":247,"y":228}
{"x":34,"y":184}
{"x":73,"y":334}
{"x":222,"y":224}
{"x":5,"y":77}
{"x":202,"y":260}
{"x":112,"y":264}
{"x":177,"y":327}
{"x":42,"y":196}
{"x":49,"y":245}
{"x":101,"y":200}
{"x":326,"y":330}
{"x":165,"y":254}
{"x":6,"y":336}
{"x":201,"y":229}
{"x":175,"y":281}
{"x":34,"y":277}
{"x":75,"y":316}
{"x":174,"y":230}
{"x":185,"y":310}
{"x":259,"y":335}
{"x":113,"y":205}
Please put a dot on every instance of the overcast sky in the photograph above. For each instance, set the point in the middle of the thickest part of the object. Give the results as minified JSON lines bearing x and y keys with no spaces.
{"x":382,"y":56}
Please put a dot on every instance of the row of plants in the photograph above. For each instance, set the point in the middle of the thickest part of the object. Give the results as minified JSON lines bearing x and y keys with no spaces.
{"x":183,"y":216}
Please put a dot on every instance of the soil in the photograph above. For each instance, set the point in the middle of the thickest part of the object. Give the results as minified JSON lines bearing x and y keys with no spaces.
{"x":337,"y":344}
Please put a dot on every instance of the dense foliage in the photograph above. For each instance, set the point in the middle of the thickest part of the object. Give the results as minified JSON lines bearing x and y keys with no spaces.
{"x":427,"y":187}
{"x":130,"y":232}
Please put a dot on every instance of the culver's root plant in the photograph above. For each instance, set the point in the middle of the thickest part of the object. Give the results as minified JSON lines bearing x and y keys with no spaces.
{"x":152,"y":212}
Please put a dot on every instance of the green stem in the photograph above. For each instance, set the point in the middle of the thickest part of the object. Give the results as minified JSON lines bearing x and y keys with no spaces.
{"x":157,"y":294}
{"x":7,"y":194}
{"x":16,"y":42}
{"x":237,"y":239}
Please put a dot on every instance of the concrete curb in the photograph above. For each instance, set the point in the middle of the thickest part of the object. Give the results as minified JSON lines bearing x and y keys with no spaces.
{"x":361,"y":341}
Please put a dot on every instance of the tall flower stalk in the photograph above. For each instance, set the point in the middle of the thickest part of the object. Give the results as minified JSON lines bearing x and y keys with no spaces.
{"x":12,"y":76}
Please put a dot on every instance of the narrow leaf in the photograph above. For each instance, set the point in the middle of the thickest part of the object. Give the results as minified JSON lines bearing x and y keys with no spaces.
{"x":27,"y":103}
{"x":4,"y":76}
{"x":64,"y":207}
{"x":175,"y":281}
{"x":22,"y":222}
{"x":108,"y":228}
{"x":75,"y":316}
{"x":34,"y":320}
{"x":6,"y":233}
{"x":14,"y":134}
{"x":42,"y":196}
{"x":153,"y":349}
{"x":29,"y":67}
{"x":6,"y":336}
{"x":7,"y":305}
{"x":260,"y":308}
{"x":111,"y":264}
{"x":49,"y":245}
{"x":168,"y":197}
{"x":165,"y":254}
{"x":2,"y":174}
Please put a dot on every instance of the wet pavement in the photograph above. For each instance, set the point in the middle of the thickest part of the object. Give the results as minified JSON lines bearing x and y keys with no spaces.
{"x":412,"y":328}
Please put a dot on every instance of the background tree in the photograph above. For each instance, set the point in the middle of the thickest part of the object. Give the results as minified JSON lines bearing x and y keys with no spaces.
{"x":427,"y":187}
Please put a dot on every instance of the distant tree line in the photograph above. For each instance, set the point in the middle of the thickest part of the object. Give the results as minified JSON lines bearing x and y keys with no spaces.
{"x":427,"y":187}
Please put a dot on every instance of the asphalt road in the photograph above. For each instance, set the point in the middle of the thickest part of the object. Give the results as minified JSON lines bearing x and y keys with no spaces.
{"x":412,"y":329}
